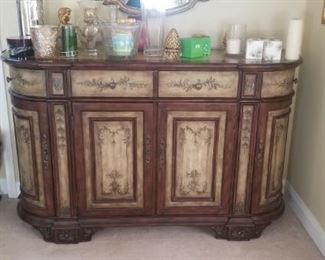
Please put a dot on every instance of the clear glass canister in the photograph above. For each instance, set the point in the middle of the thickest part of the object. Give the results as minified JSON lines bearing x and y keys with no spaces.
{"x":30,"y":13}
{"x":236,"y":38}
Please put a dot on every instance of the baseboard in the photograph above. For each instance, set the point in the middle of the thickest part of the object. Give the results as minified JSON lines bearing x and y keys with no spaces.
{"x":306,"y":217}
{"x":3,"y":186}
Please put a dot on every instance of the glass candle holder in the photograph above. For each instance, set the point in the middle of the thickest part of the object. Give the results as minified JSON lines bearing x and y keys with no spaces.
{"x":44,"y":40}
{"x":153,"y":32}
{"x":121,"y":39}
{"x":236,"y":37}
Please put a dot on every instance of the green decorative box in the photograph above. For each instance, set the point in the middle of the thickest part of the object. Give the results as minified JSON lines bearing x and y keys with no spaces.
{"x":196,"y":47}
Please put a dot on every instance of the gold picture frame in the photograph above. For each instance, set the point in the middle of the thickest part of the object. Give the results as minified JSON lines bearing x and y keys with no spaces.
{"x":323,"y":14}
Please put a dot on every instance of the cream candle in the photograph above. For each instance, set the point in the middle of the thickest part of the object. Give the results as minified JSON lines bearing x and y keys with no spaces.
{"x":233,"y":46}
{"x":294,"y":39}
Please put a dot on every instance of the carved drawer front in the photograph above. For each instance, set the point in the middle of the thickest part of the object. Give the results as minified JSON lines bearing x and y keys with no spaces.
{"x":198,"y":84}
{"x":278,"y":83}
{"x":196,"y":159}
{"x":112,"y":83}
{"x":28,"y":82}
{"x":271,"y":156}
{"x":114,"y":145}
{"x":33,"y":158}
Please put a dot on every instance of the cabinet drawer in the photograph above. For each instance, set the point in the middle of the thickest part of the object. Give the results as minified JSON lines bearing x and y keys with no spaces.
{"x":198,"y":84}
{"x":112,"y":83}
{"x":28,"y":82}
{"x":278,"y":83}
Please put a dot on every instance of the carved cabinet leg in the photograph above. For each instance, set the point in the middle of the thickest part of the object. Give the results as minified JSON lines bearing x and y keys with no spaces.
{"x":67,"y":235}
{"x":239,"y":232}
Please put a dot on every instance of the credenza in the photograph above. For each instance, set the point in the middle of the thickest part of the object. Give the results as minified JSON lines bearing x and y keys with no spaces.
{"x":106,"y":142}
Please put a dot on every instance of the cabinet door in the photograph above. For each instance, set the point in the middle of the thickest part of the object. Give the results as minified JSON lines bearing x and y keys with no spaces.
{"x":270,"y":156}
{"x":196,"y":162}
{"x":33,"y":153}
{"x":113,"y":158}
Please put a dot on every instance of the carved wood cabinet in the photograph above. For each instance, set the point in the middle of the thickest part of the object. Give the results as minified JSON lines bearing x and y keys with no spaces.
{"x":113,"y":143}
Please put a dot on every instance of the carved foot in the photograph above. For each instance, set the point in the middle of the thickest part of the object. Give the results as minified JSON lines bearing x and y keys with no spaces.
{"x":239,"y":232}
{"x":67,"y":235}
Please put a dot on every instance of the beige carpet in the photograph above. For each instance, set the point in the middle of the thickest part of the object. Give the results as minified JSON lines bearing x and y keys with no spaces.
{"x":284,"y":240}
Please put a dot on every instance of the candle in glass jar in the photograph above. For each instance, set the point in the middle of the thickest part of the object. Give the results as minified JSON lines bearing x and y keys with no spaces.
{"x":233,"y":46}
{"x":122,"y":44}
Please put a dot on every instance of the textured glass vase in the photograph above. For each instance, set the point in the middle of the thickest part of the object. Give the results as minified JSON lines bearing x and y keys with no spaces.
{"x":153,"y":32}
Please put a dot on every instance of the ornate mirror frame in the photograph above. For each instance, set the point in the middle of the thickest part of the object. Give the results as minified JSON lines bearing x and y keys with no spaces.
{"x":136,"y":12}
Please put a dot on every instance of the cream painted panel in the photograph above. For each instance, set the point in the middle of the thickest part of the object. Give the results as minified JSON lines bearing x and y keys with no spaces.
{"x":279,"y":83}
{"x":62,"y":158}
{"x":194,"y":173}
{"x":29,"y":155}
{"x":194,"y":164}
{"x":113,"y":139}
{"x":198,"y":84}
{"x":274,"y":154}
{"x":114,"y":159}
{"x":244,"y":156}
{"x":112,"y":83}
{"x":28,"y":82}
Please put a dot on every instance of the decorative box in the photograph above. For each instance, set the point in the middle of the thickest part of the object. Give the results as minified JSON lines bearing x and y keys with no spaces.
{"x":272,"y":50}
{"x":196,"y":47}
{"x":254,"y":49}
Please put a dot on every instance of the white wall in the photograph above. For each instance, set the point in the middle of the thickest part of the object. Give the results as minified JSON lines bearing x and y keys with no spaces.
{"x":307,"y":164}
{"x":263,"y":17}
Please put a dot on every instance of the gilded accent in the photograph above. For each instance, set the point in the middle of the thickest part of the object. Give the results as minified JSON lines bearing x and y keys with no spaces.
{"x":274,"y":154}
{"x":194,"y":176}
{"x":278,"y":83}
{"x":112,"y":83}
{"x":62,"y":158}
{"x":198,"y":84}
{"x":28,"y":82}
{"x":244,"y":156}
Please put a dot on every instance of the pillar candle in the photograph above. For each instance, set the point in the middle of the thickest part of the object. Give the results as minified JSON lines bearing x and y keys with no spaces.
{"x":294,"y":39}
{"x":233,"y":46}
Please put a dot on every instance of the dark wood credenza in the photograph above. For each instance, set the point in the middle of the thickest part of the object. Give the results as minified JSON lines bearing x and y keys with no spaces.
{"x":113,"y":143}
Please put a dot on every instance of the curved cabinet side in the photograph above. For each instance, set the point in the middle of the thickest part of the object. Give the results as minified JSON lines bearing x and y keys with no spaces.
{"x":34,"y":156}
{"x":270,"y":156}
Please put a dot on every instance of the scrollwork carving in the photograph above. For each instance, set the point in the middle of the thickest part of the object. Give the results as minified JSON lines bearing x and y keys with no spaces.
{"x":60,"y":126}
{"x":194,"y":185}
{"x":148,"y":150}
{"x":115,"y":187}
{"x":250,"y":85}
{"x":66,"y":236}
{"x":124,"y":82}
{"x":187,"y":85}
{"x":45,"y":149}
{"x":58,"y":83}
